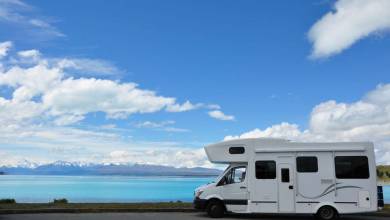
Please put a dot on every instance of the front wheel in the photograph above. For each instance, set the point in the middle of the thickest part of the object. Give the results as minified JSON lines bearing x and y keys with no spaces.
{"x":327,"y":213}
{"x":215,"y":209}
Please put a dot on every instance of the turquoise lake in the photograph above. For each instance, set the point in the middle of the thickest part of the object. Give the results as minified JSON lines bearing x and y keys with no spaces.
{"x":104,"y":188}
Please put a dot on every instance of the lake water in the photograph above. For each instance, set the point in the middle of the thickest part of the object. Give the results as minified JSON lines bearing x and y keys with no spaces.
{"x":105,"y":188}
{"x":99,"y":188}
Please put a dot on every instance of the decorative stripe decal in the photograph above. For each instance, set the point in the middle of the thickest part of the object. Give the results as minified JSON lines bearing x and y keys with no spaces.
{"x":346,"y":202}
{"x":329,"y":190}
{"x":264,"y":202}
{"x":235,"y":202}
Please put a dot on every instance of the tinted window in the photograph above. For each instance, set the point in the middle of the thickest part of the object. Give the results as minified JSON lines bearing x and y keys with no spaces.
{"x":351,"y":167}
{"x":285,"y":172}
{"x":265,"y":169}
{"x":307,"y":164}
{"x":236,"y":150}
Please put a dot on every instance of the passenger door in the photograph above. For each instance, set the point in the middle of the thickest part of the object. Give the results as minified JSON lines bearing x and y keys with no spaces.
{"x":286,"y":195}
{"x":234,"y":189}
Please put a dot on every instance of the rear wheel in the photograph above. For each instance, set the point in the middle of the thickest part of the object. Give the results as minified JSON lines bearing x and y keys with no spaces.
{"x":215,"y":209}
{"x":327,"y":213}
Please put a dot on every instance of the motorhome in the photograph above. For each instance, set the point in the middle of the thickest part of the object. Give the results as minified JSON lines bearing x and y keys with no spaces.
{"x":281,"y":176}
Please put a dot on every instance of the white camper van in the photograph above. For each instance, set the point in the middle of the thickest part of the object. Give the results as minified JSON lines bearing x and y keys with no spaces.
{"x":280,"y":176}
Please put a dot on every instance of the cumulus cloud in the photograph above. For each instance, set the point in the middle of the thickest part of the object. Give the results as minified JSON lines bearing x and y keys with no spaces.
{"x":349,"y":22}
{"x":47,"y":85}
{"x":217,"y":114}
{"x":365,"y":120}
{"x":4,"y":47}
{"x":81,"y":96}
{"x":276,"y":131}
{"x":168,"y":157}
{"x":32,"y":55}
{"x":40,"y":115}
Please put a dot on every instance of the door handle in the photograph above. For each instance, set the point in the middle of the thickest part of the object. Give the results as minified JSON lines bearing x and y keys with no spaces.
{"x":242,"y":187}
{"x":291,"y":187}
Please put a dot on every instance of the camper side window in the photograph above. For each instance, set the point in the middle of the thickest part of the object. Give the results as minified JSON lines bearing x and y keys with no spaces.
{"x":352,"y":167}
{"x":307,"y":164}
{"x":236,"y":150}
{"x":265,"y":169}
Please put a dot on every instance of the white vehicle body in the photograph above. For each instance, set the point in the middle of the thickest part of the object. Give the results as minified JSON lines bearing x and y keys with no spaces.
{"x":281,"y":176}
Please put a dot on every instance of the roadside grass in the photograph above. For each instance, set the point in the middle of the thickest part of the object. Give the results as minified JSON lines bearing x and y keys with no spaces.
{"x":99,"y":207}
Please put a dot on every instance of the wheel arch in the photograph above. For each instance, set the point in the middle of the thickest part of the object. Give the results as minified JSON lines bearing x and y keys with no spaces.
{"x":217,"y":199}
{"x":322,"y":204}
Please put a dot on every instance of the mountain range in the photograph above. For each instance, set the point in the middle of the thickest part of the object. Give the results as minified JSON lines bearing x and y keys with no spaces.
{"x":77,"y":168}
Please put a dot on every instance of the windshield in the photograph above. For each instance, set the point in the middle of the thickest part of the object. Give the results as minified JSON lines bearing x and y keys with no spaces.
{"x":220,"y":175}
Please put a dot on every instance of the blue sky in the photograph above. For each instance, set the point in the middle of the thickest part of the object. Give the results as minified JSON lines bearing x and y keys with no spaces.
{"x":270,"y":66}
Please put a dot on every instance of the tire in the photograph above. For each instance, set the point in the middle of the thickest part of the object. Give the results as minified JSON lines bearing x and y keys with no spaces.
{"x":215,"y":209}
{"x":327,"y":213}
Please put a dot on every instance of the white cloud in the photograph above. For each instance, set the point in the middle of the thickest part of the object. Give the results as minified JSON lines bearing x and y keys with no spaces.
{"x":68,"y":119}
{"x":108,"y":126}
{"x":45,"y":101}
{"x":32,"y":81}
{"x":350,"y":21}
{"x":365,"y":120}
{"x":213,"y":106}
{"x":174,"y":129}
{"x":45,"y":83}
{"x":161,"y":126}
{"x":186,"y":106}
{"x":89,"y":66}
{"x":167,"y":157}
{"x":4,"y":47}
{"x":39,"y":23}
{"x":276,"y":131}
{"x":24,"y":15}
{"x":14,"y":113}
{"x":81,"y":96}
{"x":34,"y":54}
{"x":151,"y":124}
{"x":217,"y":114}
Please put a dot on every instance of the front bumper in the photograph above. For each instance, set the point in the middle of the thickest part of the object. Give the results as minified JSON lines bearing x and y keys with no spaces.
{"x":200,"y":203}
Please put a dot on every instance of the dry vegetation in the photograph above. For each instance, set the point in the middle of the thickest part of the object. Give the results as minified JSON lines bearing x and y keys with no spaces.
{"x":383,"y":173}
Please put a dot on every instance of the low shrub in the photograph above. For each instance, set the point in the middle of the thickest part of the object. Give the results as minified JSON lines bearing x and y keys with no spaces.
{"x":7,"y":201}
{"x":60,"y":201}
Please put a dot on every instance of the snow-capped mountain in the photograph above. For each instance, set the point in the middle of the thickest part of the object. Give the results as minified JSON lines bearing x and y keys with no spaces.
{"x":82,"y":168}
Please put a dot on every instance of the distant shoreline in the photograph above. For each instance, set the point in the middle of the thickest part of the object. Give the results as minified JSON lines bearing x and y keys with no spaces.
{"x":109,"y":175}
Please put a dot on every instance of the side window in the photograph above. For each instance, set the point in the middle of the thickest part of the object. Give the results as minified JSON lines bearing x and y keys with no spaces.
{"x":307,"y":164}
{"x":351,"y":167}
{"x":235,"y":175}
{"x":239,"y":174}
{"x":236,"y":150}
{"x":265,"y":169}
{"x":285,"y":173}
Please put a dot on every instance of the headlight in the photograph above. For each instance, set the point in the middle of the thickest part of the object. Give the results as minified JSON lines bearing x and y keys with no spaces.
{"x":198,"y":193}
